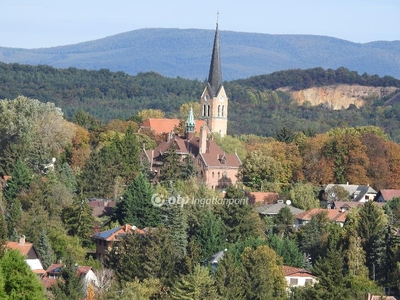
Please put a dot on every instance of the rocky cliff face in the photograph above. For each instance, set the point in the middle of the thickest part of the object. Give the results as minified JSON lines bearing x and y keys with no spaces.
{"x":339,"y":96}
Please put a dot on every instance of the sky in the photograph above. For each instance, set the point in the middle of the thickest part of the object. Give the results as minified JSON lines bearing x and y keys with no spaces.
{"x":48,"y":23}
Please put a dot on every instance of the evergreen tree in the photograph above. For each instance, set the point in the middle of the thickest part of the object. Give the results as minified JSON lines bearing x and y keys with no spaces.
{"x":284,"y":222}
{"x":20,"y":179}
{"x":210,"y":235}
{"x":45,"y":251}
{"x":313,"y":237}
{"x":264,"y":271}
{"x":136,"y":207}
{"x":14,"y":216}
{"x":78,"y":219}
{"x":176,"y":222}
{"x":67,"y":177}
{"x":197,"y":285}
{"x":287,"y":249}
{"x":240,"y":222}
{"x":70,"y":285}
{"x":19,"y":280}
{"x":331,"y":280}
{"x":160,"y":259}
{"x":172,"y":168}
{"x":127,"y":258}
{"x":188,"y":170}
{"x":371,"y":225}
{"x":229,"y":278}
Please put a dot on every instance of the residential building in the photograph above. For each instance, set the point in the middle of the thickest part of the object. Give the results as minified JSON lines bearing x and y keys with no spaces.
{"x":32,"y":257}
{"x":53,"y":273}
{"x":386,"y":195}
{"x":262,"y":197}
{"x":273,"y":209}
{"x":298,"y":277}
{"x":105,"y":240}
{"x":333,"y":215}
{"x":357,"y":193}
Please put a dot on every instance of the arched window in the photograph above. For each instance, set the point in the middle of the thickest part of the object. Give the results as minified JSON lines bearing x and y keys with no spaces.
{"x":208,"y":110}
{"x":204,"y":110}
{"x":223,"y":108}
{"x":212,"y":174}
{"x":219,"y":110}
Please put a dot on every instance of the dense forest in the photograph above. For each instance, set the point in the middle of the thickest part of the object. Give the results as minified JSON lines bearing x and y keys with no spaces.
{"x":255,"y":106}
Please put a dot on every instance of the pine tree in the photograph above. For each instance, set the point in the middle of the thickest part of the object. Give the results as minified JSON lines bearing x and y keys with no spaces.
{"x":19,"y":281}
{"x":13,"y":218}
{"x":78,"y":219}
{"x":240,"y":222}
{"x":176,"y":222}
{"x":331,"y":281}
{"x":171,"y":169}
{"x":70,"y":285}
{"x":136,"y":207}
{"x":230,"y":278}
{"x":20,"y":179}
{"x":210,"y":235}
{"x":197,"y":285}
{"x":45,"y":251}
{"x":160,"y":257}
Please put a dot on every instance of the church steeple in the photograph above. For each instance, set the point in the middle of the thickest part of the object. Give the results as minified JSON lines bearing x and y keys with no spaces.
{"x":215,"y":74}
{"x":190,"y":124}
{"x":213,"y":101}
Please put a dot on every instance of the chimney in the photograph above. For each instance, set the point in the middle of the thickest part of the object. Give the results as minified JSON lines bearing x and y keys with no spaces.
{"x":22,"y":240}
{"x":203,"y":139}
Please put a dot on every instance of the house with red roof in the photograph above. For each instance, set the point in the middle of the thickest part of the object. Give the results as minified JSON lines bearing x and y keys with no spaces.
{"x":333,"y":215}
{"x":298,"y":277}
{"x":105,"y":240}
{"x":53,"y":273}
{"x":386,"y":195}
{"x":32,"y":257}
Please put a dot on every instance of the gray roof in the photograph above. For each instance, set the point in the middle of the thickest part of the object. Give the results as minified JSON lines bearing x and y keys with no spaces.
{"x":215,"y":258}
{"x":273,"y":209}
{"x":357,"y":192}
{"x":215,"y":75}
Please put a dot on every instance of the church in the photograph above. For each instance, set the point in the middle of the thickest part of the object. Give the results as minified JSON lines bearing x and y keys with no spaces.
{"x":213,"y":166}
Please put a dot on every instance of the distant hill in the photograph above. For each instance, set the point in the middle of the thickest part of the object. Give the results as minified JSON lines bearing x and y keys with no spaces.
{"x":186,"y":53}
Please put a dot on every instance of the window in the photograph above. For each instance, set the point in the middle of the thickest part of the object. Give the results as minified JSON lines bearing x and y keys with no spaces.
{"x":224,"y":174}
{"x":208,"y":110}
{"x":219,"y":175}
{"x":219,"y":110}
{"x":212,"y":174}
{"x":223,"y":107}
{"x":293,"y":281}
{"x":309,"y":281}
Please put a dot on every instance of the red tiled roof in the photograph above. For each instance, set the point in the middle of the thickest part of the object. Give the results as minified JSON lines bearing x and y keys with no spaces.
{"x":263,"y":197}
{"x":48,"y":282}
{"x":332,"y":214}
{"x":298,"y":272}
{"x":167,"y":125}
{"x":389,"y":194}
{"x":23,"y":248}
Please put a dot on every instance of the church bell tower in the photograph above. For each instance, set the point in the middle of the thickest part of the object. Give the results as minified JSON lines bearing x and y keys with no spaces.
{"x":214,"y":102}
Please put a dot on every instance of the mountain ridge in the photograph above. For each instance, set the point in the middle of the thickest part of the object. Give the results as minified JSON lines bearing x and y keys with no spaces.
{"x":186,"y":53}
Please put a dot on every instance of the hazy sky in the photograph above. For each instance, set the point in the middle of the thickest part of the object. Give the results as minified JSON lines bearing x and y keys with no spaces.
{"x":46,"y":23}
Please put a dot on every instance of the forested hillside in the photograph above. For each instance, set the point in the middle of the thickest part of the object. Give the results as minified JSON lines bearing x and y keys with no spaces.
{"x":255,"y":107}
{"x":186,"y":53}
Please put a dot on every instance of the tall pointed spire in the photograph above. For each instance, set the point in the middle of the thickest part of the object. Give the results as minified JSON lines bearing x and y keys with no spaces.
{"x":215,"y":75}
